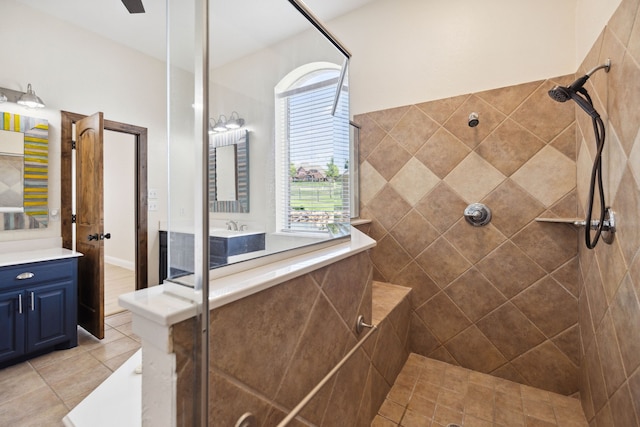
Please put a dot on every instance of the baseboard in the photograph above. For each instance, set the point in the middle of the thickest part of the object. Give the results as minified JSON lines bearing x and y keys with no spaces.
{"x":128,"y":265}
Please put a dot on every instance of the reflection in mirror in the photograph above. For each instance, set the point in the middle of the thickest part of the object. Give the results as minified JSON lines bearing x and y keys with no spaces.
{"x":278,"y":64}
{"x":226,"y":174}
{"x":11,"y":171}
{"x":24,"y":143}
{"x":229,"y":172}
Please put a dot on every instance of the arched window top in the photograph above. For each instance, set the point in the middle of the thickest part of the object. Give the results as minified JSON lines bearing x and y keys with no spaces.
{"x":307,"y":75}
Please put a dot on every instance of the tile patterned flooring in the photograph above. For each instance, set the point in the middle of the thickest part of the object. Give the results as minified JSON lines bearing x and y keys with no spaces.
{"x":430,"y":393}
{"x":117,"y":281}
{"x":427,"y":392}
{"x":41,"y":391}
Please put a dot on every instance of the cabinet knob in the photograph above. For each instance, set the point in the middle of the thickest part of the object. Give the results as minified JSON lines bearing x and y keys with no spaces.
{"x":105,"y":236}
{"x":93,"y":237}
{"x":25,"y":275}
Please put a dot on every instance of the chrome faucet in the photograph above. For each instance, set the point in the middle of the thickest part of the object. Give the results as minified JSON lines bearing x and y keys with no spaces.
{"x":232,"y":225}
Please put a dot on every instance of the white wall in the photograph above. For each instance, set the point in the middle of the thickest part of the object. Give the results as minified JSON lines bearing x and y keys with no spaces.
{"x":119,"y":199}
{"x":411,"y":51}
{"x":75,"y":70}
{"x":591,"y":16}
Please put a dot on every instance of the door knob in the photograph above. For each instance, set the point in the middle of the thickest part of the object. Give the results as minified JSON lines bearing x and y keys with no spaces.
{"x":105,"y":236}
{"x":93,"y":237}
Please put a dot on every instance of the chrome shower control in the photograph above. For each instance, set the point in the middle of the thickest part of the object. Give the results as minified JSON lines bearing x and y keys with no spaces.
{"x":477,"y":214}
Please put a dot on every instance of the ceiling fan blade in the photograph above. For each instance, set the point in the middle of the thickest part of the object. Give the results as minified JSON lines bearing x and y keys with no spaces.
{"x":134,"y":6}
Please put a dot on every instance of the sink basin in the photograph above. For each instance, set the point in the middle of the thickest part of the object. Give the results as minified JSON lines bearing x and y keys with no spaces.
{"x":227,"y":243}
{"x":224,"y":233}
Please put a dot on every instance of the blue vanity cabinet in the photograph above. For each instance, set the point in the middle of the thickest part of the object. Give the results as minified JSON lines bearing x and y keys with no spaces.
{"x":38,"y":309}
{"x":12,"y":320}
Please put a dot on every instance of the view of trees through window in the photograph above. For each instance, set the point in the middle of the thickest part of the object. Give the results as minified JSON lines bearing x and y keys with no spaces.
{"x":318,"y":153}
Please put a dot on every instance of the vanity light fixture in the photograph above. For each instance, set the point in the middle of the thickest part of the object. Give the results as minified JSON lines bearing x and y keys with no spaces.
{"x":234,"y":122}
{"x":223,"y":125}
{"x":30,"y":99}
{"x":27,"y":99}
{"x":212,"y":124}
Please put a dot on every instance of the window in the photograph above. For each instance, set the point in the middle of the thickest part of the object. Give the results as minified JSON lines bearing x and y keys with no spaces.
{"x":313,"y":150}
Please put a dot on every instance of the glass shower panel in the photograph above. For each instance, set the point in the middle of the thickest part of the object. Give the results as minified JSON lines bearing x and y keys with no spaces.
{"x":270,"y":66}
{"x":183,"y":144}
{"x":270,"y":70}
{"x":186,"y":228}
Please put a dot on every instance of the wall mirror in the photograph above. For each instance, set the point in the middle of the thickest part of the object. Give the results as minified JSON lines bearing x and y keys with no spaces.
{"x":229,"y":172}
{"x":24,"y":172}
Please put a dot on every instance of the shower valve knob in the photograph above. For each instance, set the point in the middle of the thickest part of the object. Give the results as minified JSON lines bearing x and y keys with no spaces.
{"x":477,"y":214}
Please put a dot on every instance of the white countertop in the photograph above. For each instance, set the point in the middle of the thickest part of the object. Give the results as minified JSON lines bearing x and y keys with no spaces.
{"x":37,"y":255}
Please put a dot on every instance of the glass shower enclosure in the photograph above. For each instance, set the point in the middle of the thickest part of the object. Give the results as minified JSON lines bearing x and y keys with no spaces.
{"x":259,"y":155}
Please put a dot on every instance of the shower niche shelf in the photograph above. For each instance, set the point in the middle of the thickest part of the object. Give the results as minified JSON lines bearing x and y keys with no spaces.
{"x":608,"y":226}
{"x":578,"y":222}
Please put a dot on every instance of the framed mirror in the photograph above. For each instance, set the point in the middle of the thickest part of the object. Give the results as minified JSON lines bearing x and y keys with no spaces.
{"x":24,"y":172}
{"x":229,"y":172}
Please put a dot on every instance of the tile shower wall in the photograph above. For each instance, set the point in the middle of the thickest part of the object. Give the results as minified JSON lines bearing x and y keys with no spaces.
{"x":609,"y":306}
{"x":270,"y":349}
{"x":499,"y":299}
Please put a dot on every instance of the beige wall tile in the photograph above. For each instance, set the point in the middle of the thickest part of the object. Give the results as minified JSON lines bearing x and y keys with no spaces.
{"x":465,"y":179}
{"x":548,"y":176}
{"x":413,"y":181}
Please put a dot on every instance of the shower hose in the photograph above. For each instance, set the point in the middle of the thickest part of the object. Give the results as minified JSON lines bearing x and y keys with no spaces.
{"x":596,"y":177}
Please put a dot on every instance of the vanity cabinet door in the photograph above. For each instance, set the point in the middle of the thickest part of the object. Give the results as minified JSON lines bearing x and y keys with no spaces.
{"x":12,"y":323}
{"x":50,"y":317}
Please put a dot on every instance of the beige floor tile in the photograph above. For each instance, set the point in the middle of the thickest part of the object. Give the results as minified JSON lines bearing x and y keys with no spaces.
{"x":68,"y":367}
{"x":119,"y":319}
{"x":81,"y":383}
{"x":444,"y":415}
{"x":23,"y":410}
{"x":414,"y":419}
{"x":392,"y":410}
{"x":59,"y":380}
{"x":114,"y":348}
{"x":127,"y":329}
{"x":110,"y":335}
{"x":50,"y":417}
{"x":16,"y":386}
{"x":55,"y":357}
{"x":115,"y":362}
{"x":15,"y":370}
{"x":473,"y":399}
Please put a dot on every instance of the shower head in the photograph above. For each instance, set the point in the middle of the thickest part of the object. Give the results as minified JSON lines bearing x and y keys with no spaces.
{"x":564,"y":93}
{"x":560,"y":93}
{"x":573,"y":91}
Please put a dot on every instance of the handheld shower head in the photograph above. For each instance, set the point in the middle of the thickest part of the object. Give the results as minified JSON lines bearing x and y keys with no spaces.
{"x":560,"y":93}
{"x":573,"y":91}
{"x":564,"y":93}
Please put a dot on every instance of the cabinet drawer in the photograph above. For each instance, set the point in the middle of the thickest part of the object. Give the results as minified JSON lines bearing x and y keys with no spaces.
{"x":38,"y":272}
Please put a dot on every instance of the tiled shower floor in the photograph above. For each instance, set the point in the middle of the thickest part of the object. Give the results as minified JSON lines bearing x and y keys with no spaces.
{"x":430,"y":393}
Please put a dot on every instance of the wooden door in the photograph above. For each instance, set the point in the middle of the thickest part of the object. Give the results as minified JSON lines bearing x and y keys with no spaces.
{"x":90,"y":223}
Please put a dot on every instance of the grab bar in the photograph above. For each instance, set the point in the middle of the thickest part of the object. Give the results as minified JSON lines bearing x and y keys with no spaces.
{"x":295,"y":411}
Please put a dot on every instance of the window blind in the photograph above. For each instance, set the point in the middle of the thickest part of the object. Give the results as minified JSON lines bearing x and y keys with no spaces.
{"x":315,"y":155}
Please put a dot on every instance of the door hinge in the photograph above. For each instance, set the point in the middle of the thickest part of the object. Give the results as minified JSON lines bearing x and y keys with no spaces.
{"x":73,"y":145}
{"x":73,"y":219}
